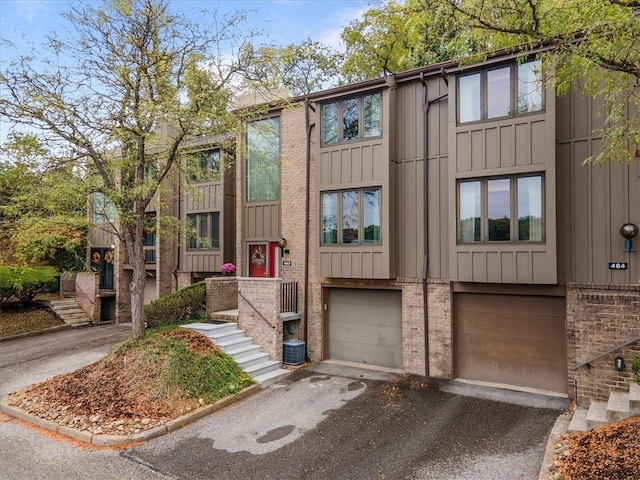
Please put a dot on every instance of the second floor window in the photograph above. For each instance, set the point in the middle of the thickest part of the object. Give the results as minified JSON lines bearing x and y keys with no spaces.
{"x":203,"y":231}
{"x":103,"y":210}
{"x":205,"y":166}
{"x":351,"y":216}
{"x":263,"y":160}
{"x":500,"y":92}
{"x":352,"y":119}
{"x":501,"y":210}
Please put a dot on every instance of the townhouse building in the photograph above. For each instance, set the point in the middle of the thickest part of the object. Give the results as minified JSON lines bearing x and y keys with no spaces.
{"x":439,"y":221}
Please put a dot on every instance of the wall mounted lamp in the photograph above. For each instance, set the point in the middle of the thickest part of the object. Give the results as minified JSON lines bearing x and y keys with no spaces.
{"x":282,"y":243}
{"x":629,"y":231}
{"x":618,"y":363}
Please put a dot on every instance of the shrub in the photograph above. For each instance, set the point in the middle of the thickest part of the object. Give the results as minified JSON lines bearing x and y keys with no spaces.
{"x":635,"y":368}
{"x":24,"y":283}
{"x":177,"y":307}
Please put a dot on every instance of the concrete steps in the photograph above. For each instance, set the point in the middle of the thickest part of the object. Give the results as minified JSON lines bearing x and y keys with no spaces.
{"x":620,"y":405}
{"x":249,"y":356}
{"x":68,"y":310}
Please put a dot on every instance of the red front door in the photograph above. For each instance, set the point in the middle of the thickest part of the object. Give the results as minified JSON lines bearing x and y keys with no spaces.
{"x":258,"y":260}
{"x":263,"y":258}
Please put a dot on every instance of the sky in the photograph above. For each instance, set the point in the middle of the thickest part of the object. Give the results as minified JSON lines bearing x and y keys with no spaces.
{"x":282,"y":21}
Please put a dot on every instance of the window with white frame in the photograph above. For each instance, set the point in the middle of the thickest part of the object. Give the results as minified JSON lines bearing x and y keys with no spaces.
{"x":203,"y":231}
{"x":500,"y":92}
{"x":501,"y":209}
{"x":352,"y":119}
{"x":351,"y":217}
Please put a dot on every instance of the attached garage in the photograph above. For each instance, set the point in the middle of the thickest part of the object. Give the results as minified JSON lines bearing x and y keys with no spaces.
{"x":364,"y":326}
{"x":517,"y":340}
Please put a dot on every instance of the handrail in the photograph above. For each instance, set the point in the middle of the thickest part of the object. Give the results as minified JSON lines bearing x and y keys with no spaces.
{"x":614,"y":349}
{"x":255,"y":309}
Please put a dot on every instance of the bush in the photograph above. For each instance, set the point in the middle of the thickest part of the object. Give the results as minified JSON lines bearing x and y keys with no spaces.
{"x":177,"y":307}
{"x":635,"y":368}
{"x":24,"y":283}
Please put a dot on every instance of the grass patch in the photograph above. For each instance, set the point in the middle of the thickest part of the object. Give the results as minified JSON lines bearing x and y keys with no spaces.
{"x":16,"y":319}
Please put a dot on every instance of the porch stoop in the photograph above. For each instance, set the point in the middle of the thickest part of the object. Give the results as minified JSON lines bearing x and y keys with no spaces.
{"x":621,"y":405}
{"x":249,"y":356}
{"x":68,"y":310}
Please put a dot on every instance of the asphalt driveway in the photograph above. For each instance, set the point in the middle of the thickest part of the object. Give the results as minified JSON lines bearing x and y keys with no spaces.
{"x":323,"y":422}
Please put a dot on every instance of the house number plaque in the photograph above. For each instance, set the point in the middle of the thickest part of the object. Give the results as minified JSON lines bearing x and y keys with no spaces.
{"x":618,"y":265}
{"x":286,"y":263}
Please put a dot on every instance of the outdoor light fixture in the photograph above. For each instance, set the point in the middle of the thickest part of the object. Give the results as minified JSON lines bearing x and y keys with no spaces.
{"x":618,"y":363}
{"x":282,"y":243}
{"x":629,"y":232}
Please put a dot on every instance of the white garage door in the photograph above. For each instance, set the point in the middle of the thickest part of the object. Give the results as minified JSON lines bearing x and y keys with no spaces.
{"x":365,"y":326}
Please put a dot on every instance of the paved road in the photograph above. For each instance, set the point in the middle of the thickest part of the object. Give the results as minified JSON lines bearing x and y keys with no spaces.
{"x":325,"y":422}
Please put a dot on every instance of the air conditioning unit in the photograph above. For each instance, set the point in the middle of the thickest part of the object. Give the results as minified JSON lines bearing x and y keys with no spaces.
{"x":293,"y":352}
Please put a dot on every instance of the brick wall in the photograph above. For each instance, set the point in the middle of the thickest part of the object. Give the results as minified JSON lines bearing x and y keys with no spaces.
{"x":259,"y":313}
{"x":439,"y":300}
{"x":413,"y":337}
{"x":222,"y":294}
{"x":87,"y":294}
{"x":599,"y":317}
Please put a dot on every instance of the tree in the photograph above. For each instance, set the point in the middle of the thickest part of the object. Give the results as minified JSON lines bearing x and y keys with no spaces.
{"x":401,"y":35}
{"x":131,"y":83}
{"x":594,"y":43}
{"x":42,"y":206}
{"x":301,"y":68}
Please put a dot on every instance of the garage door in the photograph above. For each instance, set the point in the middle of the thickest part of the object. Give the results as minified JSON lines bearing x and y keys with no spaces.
{"x":511,"y":339}
{"x":365,"y":326}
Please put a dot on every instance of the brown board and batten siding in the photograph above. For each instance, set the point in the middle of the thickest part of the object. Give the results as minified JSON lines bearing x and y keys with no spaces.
{"x":593,"y":201}
{"x":203,"y":198}
{"x":359,"y":164}
{"x":409,"y":128}
{"x":518,"y":145}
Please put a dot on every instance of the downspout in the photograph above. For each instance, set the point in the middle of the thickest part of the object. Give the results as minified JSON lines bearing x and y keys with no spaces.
{"x":307,"y":215}
{"x":426,"y":104}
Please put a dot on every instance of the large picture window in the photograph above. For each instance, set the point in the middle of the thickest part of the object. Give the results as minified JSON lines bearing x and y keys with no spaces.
{"x":263,"y":160}
{"x":352,"y":119}
{"x":505,"y":209}
{"x":500,"y":92}
{"x":351,"y":217}
{"x":203,"y":231}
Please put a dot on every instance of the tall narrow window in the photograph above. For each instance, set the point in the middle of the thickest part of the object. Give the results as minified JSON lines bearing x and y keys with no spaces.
{"x":372,"y":115}
{"x":498,"y":92}
{"x":371,"y":214}
{"x":469,"y":103}
{"x":350,"y":116}
{"x":530,"y":209}
{"x":329,"y":123}
{"x":263,"y":160}
{"x":470,"y":212}
{"x":350,"y":217}
{"x":329,"y":218}
{"x":499,"y":210}
{"x":529,"y":87}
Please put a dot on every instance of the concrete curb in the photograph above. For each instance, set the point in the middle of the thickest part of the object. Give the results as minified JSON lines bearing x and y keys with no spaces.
{"x":36,"y":333}
{"x":103,"y":440}
{"x":560,"y":428}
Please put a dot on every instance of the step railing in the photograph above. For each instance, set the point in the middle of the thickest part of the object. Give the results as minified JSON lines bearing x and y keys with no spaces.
{"x":608,"y":352}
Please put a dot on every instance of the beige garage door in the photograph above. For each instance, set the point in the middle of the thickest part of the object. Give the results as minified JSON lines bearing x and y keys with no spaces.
{"x":365,"y":326}
{"x":511,"y":339}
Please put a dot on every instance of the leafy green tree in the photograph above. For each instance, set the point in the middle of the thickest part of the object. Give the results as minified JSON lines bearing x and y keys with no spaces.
{"x":42,"y":204}
{"x":121,"y":93}
{"x":401,"y":35}
{"x":594,"y":43}
{"x":302,"y":68}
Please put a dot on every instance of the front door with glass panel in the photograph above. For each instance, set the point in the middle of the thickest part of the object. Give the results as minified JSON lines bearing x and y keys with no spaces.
{"x":258,"y":260}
